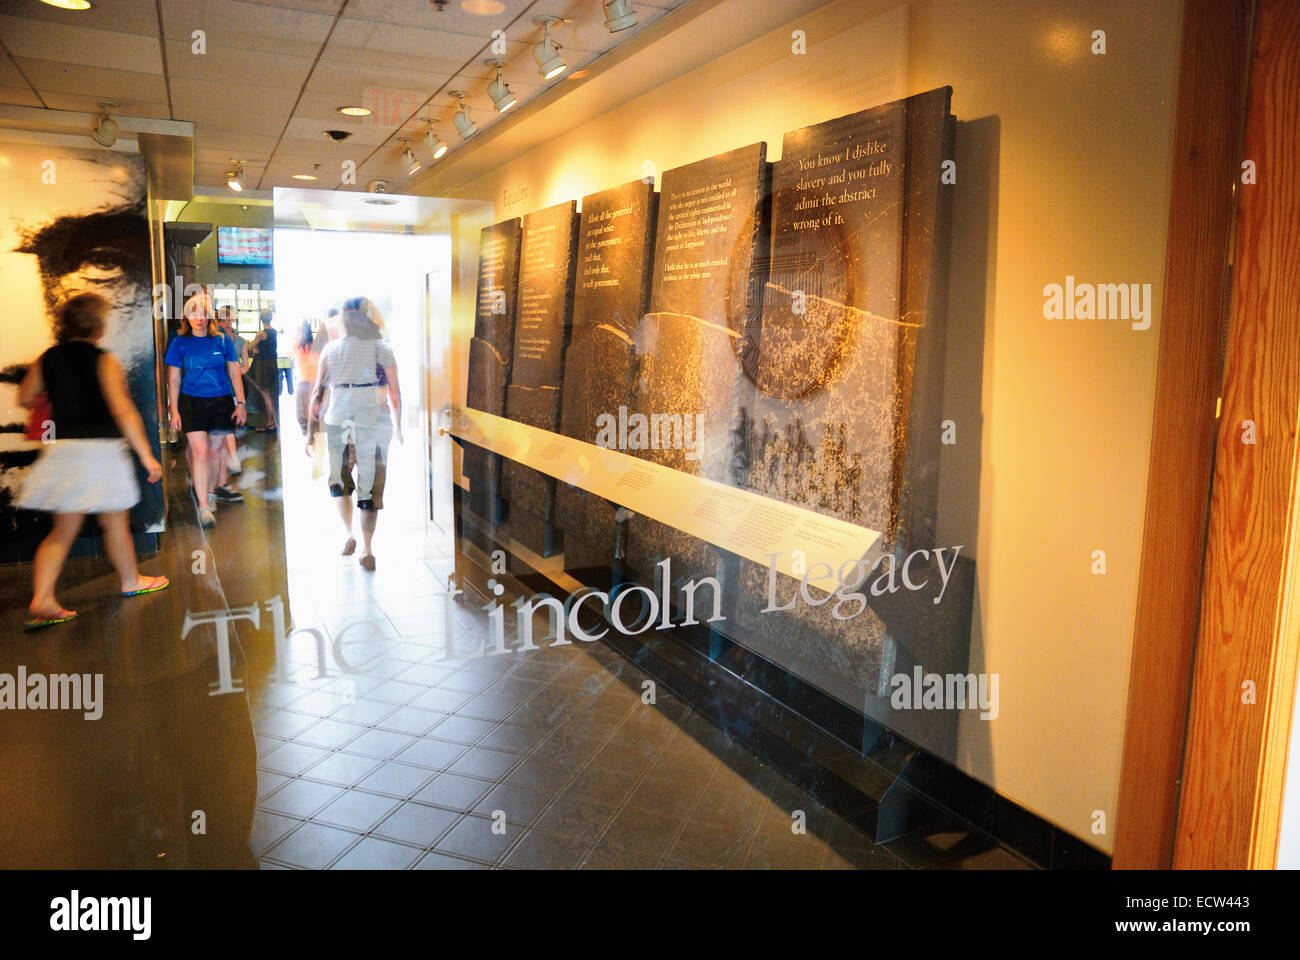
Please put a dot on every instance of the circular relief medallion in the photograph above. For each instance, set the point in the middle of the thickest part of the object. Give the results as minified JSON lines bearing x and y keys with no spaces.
{"x":790,"y":319}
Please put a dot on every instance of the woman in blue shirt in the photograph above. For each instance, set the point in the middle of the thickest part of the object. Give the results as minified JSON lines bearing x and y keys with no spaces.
{"x":206,"y":400}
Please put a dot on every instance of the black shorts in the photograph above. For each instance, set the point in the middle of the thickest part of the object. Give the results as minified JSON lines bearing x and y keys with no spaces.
{"x":207,"y":414}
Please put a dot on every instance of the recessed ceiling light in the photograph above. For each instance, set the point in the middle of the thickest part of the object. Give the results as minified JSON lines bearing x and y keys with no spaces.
{"x":304,"y":176}
{"x":69,"y":4}
{"x":354,"y":111}
{"x":483,"y":8}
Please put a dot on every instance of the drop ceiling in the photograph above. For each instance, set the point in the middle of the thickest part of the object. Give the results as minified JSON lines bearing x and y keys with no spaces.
{"x":274,"y":73}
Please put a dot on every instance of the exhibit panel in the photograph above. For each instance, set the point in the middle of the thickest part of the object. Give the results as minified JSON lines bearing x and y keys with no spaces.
{"x":545,"y":303}
{"x":915,"y":294}
{"x":490,"y":352}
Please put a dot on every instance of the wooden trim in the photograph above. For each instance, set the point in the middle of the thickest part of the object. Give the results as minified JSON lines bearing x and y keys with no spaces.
{"x":1211,"y":91}
{"x":1234,"y":763}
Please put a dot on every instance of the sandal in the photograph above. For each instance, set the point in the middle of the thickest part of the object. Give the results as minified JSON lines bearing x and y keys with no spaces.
{"x":368,"y":561}
{"x":350,"y":547}
{"x":36,"y":621}
{"x":151,"y":585}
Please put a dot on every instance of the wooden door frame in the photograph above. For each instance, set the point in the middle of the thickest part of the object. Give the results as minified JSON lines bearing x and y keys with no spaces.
{"x":1202,"y":772}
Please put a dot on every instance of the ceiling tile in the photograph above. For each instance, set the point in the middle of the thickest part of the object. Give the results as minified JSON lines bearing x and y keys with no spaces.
{"x":403,"y":47}
{"x":310,"y":128}
{"x":254,"y":103}
{"x":325,"y":7}
{"x":248,"y":26}
{"x":242,"y":66}
{"x":90,"y":104}
{"x":421,"y":13}
{"x":307,"y":149}
{"x":125,"y":87}
{"x":19,"y":96}
{"x":42,"y":40}
{"x":121,"y":16}
{"x":217,"y":144}
{"x":353,"y":80}
{"x":9,"y":74}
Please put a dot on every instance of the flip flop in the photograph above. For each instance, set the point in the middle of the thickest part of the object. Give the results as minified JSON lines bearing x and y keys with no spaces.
{"x":155,"y":584}
{"x":38,"y":622}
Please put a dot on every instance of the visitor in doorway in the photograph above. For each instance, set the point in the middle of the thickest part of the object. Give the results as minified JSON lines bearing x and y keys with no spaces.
{"x":333,"y":324}
{"x":206,"y":402}
{"x":86,"y":467}
{"x":286,"y":371}
{"x":361,"y":418}
{"x":226,"y":321}
{"x":266,"y":372}
{"x":306,"y":356}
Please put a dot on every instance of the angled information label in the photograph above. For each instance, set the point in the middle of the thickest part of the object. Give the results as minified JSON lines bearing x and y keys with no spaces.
{"x":744,"y":523}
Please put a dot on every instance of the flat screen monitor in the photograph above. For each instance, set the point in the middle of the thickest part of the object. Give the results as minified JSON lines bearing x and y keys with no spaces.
{"x":244,"y":246}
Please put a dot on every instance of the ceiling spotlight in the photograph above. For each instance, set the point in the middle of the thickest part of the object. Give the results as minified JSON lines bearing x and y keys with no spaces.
{"x":413,"y":166}
{"x":435,"y":146}
{"x":500,"y":93}
{"x":105,"y":132}
{"x":549,"y":62}
{"x":354,"y":111}
{"x":464,"y":125}
{"x":619,"y":15}
{"x":235,"y":175}
{"x":69,"y":4}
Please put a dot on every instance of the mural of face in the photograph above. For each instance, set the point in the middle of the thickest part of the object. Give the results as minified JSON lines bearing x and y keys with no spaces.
{"x":74,"y":221}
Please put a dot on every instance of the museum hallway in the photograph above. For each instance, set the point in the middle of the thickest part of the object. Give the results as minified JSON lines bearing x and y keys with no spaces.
{"x":544,"y":760}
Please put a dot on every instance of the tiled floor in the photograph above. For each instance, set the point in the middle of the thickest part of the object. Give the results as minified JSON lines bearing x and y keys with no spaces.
{"x":549,"y":759}
{"x":546,"y":760}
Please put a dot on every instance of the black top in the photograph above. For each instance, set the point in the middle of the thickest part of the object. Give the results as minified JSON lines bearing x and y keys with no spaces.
{"x":267,"y":349}
{"x":71,"y":374}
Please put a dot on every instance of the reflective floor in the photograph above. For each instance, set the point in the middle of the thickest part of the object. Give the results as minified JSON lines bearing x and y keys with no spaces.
{"x":410,"y":759}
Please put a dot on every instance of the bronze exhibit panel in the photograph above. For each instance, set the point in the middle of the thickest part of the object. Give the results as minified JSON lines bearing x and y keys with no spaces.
{"x":842,"y":351}
{"x":612,"y":290}
{"x":711,"y":230}
{"x":544,"y":309}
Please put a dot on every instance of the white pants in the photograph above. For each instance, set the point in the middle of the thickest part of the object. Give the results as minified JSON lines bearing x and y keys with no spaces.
{"x":367,"y":440}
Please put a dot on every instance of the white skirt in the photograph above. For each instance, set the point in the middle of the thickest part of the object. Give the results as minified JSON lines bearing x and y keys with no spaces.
{"x":81,"y":476}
